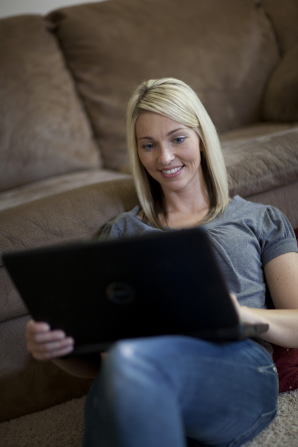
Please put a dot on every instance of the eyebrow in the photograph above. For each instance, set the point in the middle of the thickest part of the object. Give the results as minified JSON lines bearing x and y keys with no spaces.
{"x":168,"y":134}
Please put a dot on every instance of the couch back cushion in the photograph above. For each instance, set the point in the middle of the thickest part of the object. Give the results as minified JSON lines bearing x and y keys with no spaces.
{"x":284,"y":18}
{"x":43,"y":128}
{"x":224,"y":49}
{"x":281,"y":97}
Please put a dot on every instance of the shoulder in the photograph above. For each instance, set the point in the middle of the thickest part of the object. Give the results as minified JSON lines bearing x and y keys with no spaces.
{"x":244,"y":207}
{"x":126,"y":218}
{"x":120,"y":224}
{"x":262,"y":217}
{"x":271,"y":227}
{"x":264,"y":223}
{"x":127,"y":224}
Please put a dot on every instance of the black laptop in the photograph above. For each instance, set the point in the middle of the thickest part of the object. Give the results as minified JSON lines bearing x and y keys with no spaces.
{"x":155,"y":284}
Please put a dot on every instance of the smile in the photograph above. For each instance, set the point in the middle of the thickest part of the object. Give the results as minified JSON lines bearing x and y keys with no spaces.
{"x":171,"y":171}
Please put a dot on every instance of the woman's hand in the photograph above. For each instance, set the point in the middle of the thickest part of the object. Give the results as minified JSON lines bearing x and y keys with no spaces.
{"x":236,"y":305}
{"x":45,"y":344}
{"x":283,"y":323}
{"x":246,"y":314}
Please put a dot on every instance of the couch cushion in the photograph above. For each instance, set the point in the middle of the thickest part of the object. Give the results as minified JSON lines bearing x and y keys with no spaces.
{"x":263,"y":163}
{"x":284,"y":17}
{"x":43,"y":128}
{"x":281,"y":97}
{"x":214,"y":46}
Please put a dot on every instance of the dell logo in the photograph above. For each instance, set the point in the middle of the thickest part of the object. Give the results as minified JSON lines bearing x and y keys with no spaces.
{"x":120,"y":292}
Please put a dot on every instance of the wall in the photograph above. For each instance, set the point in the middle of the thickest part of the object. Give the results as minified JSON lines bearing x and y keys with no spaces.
{"x":15,"y":7}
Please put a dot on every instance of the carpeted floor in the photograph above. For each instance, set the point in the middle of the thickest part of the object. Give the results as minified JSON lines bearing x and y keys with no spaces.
{"x":62,"y":426}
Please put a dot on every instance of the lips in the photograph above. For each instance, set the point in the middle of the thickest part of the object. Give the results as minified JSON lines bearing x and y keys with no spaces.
{"x":173,"y":172}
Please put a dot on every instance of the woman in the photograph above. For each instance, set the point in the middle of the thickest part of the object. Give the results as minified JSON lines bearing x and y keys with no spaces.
{"x":156,"y":391}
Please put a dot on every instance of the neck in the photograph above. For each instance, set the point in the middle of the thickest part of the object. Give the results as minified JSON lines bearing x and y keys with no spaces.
{"x":188,"y":206}
{"x":193,"y":197}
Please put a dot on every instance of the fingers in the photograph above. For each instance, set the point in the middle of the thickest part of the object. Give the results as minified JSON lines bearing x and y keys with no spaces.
{"x":47,"y":344}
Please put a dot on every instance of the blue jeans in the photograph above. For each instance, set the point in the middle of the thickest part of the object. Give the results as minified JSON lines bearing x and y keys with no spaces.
{"x":155,"y":392}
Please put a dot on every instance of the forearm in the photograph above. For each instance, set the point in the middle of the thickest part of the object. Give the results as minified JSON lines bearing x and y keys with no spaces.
{"x":80,"y":367}
{"x":283,"y":324}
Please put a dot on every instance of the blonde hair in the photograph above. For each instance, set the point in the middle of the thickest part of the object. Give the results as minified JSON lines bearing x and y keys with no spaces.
{"x":177,"y":101}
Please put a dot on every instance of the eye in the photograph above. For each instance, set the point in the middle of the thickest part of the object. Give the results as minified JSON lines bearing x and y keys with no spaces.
{"x":179,"y":140}
{"x":147,"y":146}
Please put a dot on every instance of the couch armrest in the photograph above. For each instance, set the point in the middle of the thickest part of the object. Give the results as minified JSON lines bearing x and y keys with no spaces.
{"x":70,"y":216}
{"x":261,"y":164}
{"x":73,"y":215}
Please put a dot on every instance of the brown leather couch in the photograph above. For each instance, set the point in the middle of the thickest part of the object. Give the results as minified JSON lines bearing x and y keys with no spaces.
{"x":64,"y":83}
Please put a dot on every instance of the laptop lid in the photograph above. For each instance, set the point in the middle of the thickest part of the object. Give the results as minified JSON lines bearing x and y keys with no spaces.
{"x":100,"y":292}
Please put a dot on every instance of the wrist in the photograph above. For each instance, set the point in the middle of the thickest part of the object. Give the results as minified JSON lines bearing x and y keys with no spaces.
{"x":249,"y":315}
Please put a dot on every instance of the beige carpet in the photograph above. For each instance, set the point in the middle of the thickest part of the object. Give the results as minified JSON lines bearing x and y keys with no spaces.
{"x":62,"y":426}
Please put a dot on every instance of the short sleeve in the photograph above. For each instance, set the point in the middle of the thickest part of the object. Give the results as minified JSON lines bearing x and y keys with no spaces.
{"x":109,"y":232}
{"x":126,"y":224}
{"x":277,"y":236}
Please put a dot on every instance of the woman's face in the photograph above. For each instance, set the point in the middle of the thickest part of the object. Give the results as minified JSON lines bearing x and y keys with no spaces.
{"x":169,"y":151}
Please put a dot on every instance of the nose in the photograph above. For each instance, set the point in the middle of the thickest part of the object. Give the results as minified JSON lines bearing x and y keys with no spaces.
{"x":165,"y":155}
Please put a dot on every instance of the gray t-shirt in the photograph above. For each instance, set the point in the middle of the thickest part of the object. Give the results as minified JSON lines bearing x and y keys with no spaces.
{"x":245,"y":238}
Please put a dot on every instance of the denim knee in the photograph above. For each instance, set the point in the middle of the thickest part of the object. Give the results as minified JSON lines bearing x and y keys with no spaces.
{"x":122,"y":354}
